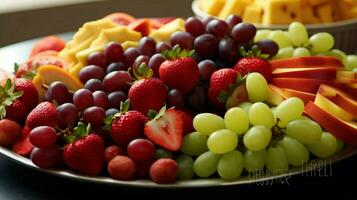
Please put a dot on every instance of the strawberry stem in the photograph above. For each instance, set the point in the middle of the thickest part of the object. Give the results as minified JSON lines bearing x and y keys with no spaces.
{"x":177,"y":52}
{"x":142,"y":71}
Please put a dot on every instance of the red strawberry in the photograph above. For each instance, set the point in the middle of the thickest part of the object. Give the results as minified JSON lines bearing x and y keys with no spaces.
{"x":85,"y":154}
{"x":128,"y":126}
{"x":16,"y":111}
{"x":23,"y":146}
{"x":253,"y":61}
{"x":30,"y":94}
{"x":224,"y":84}
{"x":147,"y":94}
{"x":166,"y":129}
{"x":187,"y":119}
{"x":179,"y":71}
{"x":44,"y":114}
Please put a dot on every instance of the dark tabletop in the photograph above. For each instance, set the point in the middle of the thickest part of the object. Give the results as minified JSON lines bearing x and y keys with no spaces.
{"x":18,"y":182}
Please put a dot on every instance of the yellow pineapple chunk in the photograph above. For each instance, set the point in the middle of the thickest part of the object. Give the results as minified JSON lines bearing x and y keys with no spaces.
{"x":282,"y":12}
{"x":234,"y":7}
{"x":309,"y":17}
{"x":253,"y":14}
{"x":324,"y":12}
{"x":317,"y":2}
{"x":213,"y":7}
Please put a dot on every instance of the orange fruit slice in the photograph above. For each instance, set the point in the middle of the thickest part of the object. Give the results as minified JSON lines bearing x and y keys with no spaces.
{"x":47,"y":74}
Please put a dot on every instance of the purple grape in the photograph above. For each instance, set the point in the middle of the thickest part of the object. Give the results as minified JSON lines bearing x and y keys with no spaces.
{"x":269,"y":47}
{"x":232,"y":20}
{"x":183,"y":39}
{"x":83,"y":98}
{"x":97,"y":58}
{"x":117,"y":81}
{"x":94,"y":115}
{"x":89,"y":72}
{"x":115,"y":98}
{"x":111,"y":112}
{"x":67,"y":114}
{"x":57,"y":91}
{"x":228,"y":50}
{"x":154,"y":63}
{"x":217,"y":27}
{"x":206,"y":20}
{"x":147,"y":46}
{"x":116,"y":67}
{"x":130,"y":55}
{"x":47,"y":157}
{"x":243,"y":32}
{"x":175,"y":98}
{"x":114,"y":52}
{"x":197,"y":99}
{"x":206,"y":69}
{"x":194,"y":26}
{"x":206,"y":45}
{"x":101,"y":99}
{"x":139,"y":60}
{"x":94,"y":85}
{"x":162,"y":46}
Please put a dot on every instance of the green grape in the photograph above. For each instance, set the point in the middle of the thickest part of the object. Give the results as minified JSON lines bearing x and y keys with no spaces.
{"x":288,"y":110}
{"x":354,"y":69}
{"x":261,"y":34}
{"x":286,"y":52}
{"x":340,"y":146}
{"x":273,"y":109}
{"x":340,"y":55}
{"x":222,"y":141}
{"x":260,"y":114}
{"x":257,"y":138}
{"x":257,"y":87}
{"x":245,"y":106}
{"x":185,"y":167}
{"x":305,"y":131}
{"x":206,"y":164}
{"x":280,"y":38}
{"x":208,"y":123}
{"x":163,"y":153}
{"x":301,"y":52}
{"x":297,"y":34}
{"x":296,"y":153}
{"x":321,"y":42}
{"x":325,"y":147}
{"x":194,"y":144}
{"x":276,"y":160}
{"x":351,"y":62}
{"x":230,"y":166}
{"x":236,"y":119}
{"x":254,"y":160}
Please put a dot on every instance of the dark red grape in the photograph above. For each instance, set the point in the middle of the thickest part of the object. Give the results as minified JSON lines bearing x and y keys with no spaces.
{"x":101,"y":99}
{"x":67,"y":114}
{"x":197,"y":99}
{"x":45,"y":158}
{"x":43,"y":136}
{"x":94,"y":115}
{"x":57,"y":91}
{"x":117,"y":81}
{"x":194,"y":26}
{"x":228,"y":50}
{"x":154,"y":63}
{"x":206,"y":45}
{"x":89,"y":72}
{"x":206,"y":69}
{"x":116,"y":67}
{"x":243,"y":32}
{"x":217,"y":27}
{"x":175,"y":98}
{"x":115,"y":98}
{"x":130,"y":55}
{"x":97,"y":58}
{"x":83,"y":98}
{"x":183,"y":39}
{"x":141,"y":150}
{"x":94,"y":85}
{"x":139,"y":60}
{"x":112,"y":151}
{"x":162,"y":46}
{"x":111,"y":111}
{"x":232,"y":20}
{"x":147,"y":46}
{"x":206,"y":20}
{"x":114,"y":52}
{"x":269,"y":47}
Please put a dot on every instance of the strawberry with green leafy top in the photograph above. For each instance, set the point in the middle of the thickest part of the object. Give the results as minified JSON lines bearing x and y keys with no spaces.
{"x":180,"y":71}
{"x":85,"y":151}
{"x":11,"y":107}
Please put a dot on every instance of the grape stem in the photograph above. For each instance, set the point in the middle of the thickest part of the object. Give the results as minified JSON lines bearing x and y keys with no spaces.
{"x":278,"y":133}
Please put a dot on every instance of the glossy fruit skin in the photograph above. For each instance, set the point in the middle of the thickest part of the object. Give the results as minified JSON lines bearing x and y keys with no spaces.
{"x":180,"y":73}
{"x":121,"y":168}
{"x":220,"y":81}
{"x":187,"y":119}
{"x":10,"y":132}
{"x":46,"y":158}
{"x":147,"y":94}
{"x":94,"y":115}
{"x":86,"y":154}
{"x":141,"y":150}
{"x":254,"y":64}
{"x":23,"y":145}
{"x":16,"y":111}
{"x":30,"y":97}
{"x":117,"y":81}
{"x":164,"y":170}
{"x":112,"y":151}
{"x":128,"y":126}
{"x":44,"y":114}
{"x":43,"y":136}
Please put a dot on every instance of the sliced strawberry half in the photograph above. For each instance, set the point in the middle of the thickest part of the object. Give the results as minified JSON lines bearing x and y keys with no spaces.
{"x":166,"y":129}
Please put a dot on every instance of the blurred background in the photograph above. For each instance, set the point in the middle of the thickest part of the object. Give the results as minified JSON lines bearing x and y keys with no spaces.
{"x":25,"y":19}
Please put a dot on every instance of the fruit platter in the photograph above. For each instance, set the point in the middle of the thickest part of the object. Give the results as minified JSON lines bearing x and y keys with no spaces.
{"x":173,"y":102}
